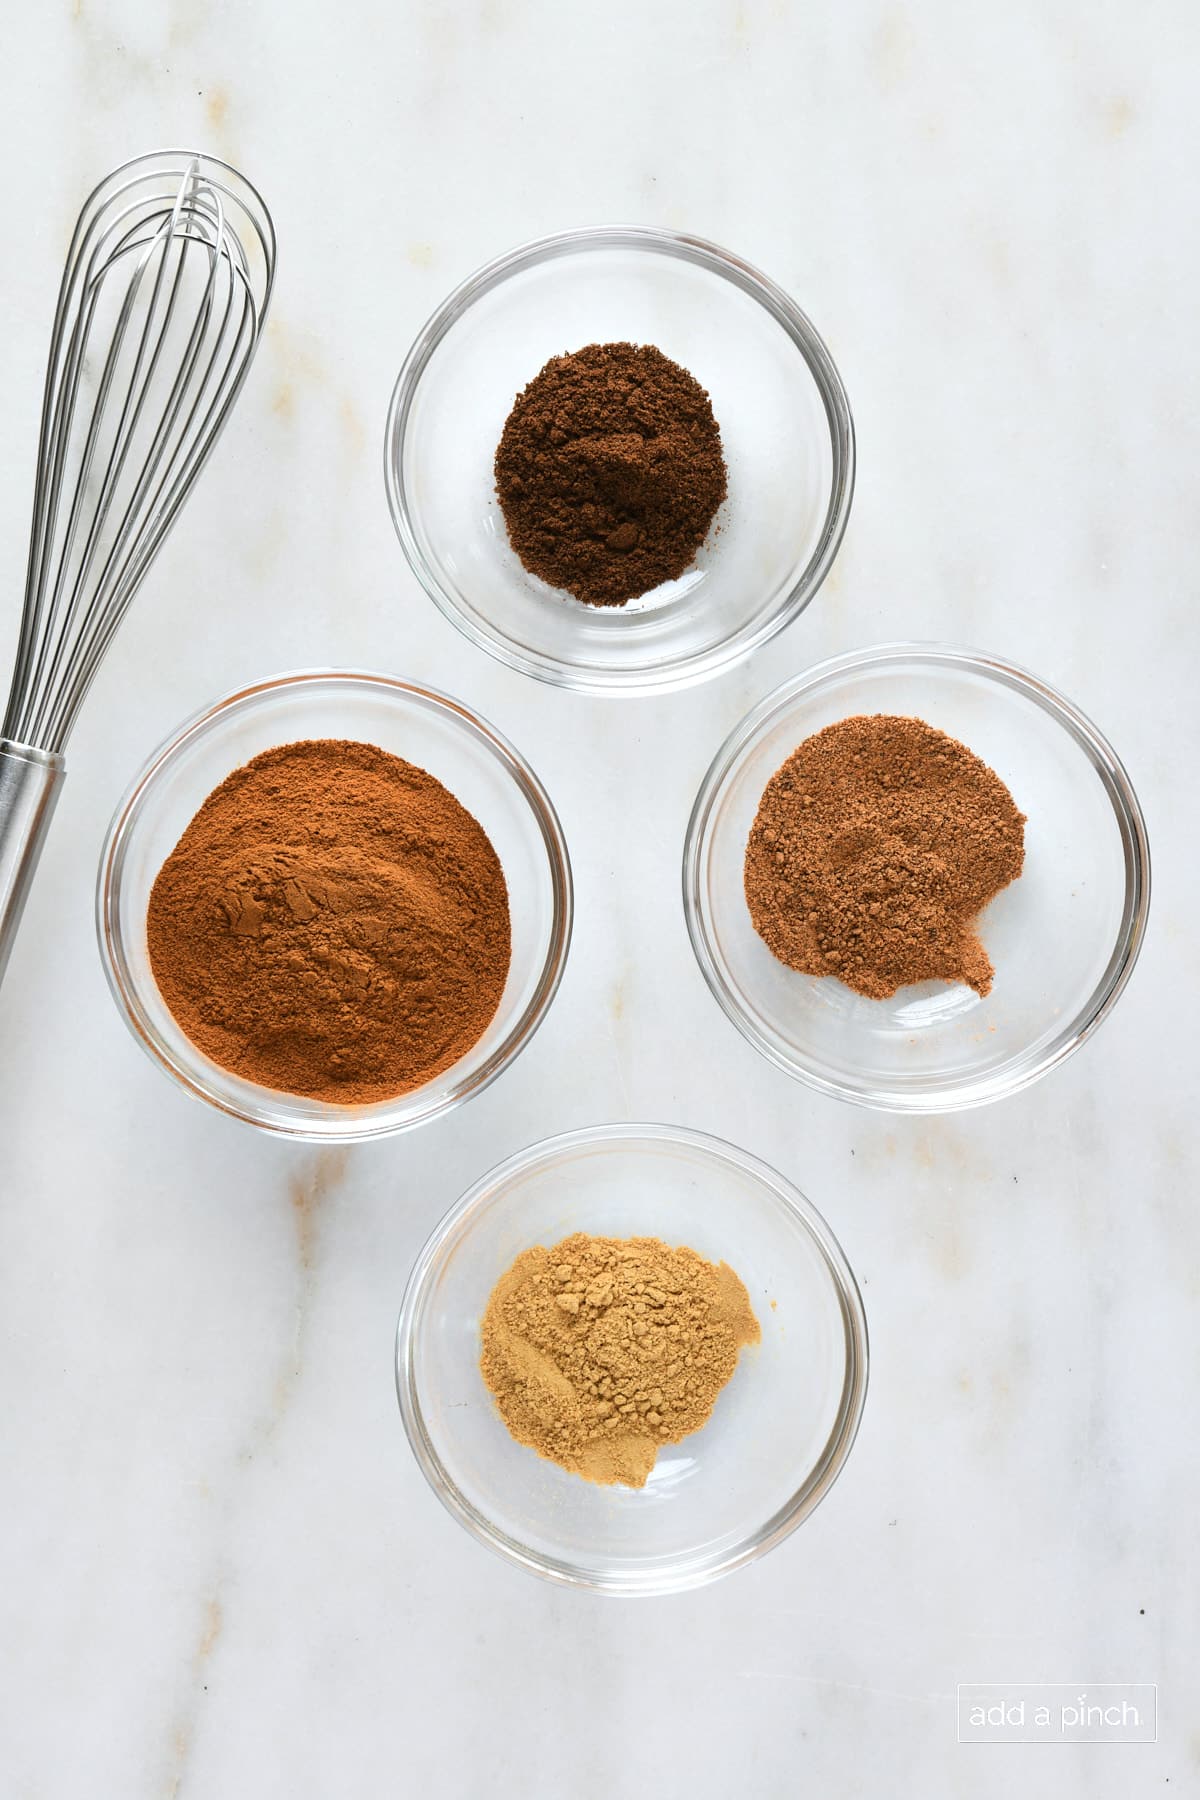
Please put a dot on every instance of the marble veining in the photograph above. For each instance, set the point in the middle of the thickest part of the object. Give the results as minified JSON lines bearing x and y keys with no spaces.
{"x":222,"y":1573}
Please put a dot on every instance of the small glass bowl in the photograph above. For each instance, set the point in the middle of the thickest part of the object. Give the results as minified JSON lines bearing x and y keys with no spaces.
{"x":785,"y":424}
{"x":438,"y":734}
{"x":781,"y":1430}
{"x":1063,"y":938}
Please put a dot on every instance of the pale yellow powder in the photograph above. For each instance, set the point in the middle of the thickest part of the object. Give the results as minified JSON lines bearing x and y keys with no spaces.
{"x":600,"y":1350}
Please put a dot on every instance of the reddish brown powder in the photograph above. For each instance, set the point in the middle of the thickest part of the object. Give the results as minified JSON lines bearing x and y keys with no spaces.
{"x":874,"y":849}
{"x":610,"y":472}
{"x":332,"y":923}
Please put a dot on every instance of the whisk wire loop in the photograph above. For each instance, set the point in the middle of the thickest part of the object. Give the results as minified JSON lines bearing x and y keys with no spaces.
{"x":161,"y":308}
{"x":162,"y":305}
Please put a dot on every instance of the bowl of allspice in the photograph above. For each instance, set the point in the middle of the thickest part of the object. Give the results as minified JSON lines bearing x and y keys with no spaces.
{"x":917,"y":877}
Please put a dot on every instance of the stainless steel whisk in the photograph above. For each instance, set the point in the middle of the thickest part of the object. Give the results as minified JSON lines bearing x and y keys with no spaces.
{"x":161,"y":309}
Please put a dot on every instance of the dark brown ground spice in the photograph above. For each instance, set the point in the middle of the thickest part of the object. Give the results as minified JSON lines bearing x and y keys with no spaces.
{"x":333,"y":922}
{"x":874,"y":849}
{"x":610,"y":472}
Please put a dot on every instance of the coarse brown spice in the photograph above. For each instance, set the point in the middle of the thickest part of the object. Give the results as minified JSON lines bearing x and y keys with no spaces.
{"x":332,"y":923}
{"x":600,"y":1350}
{"x":874,"y":849}
{"x":610,"y":472}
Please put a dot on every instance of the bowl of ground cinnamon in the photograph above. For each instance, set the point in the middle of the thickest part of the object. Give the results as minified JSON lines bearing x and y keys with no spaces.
{"x":632,"y":1359}
{"x":619,"y":459}
{"x":916,"y":877}
{"x":334,"y":905}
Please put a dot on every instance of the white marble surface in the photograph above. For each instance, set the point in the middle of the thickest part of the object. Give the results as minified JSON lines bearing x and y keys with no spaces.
{"x":221,"y":1572}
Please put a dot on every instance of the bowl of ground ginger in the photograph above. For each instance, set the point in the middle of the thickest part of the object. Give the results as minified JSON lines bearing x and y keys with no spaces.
{"x":334,"y":905}
{"x":916,"y":877}
{"x":631,"y":1359}
{"x":620,"y":458}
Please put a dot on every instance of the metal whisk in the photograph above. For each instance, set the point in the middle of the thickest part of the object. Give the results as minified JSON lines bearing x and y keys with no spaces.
{"x":161,"y":308}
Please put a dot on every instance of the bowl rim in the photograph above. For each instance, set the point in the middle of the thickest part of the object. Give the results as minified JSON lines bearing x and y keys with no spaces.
{"x":697,"y":1570}
{"x":359,"y":1124}
{"x":653,"y":678}
{"x":1131,"y":824}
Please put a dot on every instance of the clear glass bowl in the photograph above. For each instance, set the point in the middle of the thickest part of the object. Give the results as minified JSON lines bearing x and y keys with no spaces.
{"x":782,"y":1427}
{"x":784,"y":418}
{"x":1063,"y":938}
{"x":438,"y":734}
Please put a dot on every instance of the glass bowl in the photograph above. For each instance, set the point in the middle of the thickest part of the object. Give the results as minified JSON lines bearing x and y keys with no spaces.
{"x":782,"y":1427}
{"x":1063,"y":938}
{"x":785,"y":423}
{"x":438,"y":734}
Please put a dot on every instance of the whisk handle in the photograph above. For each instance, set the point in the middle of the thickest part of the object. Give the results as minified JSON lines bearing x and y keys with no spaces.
{"x":30,"y":781}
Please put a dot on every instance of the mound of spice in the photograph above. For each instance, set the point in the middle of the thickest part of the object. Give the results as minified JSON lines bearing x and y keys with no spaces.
{"x":332,"y":923}
{"x":874,"y":849}
{"x":600,"y":1350}
{"x":610,"y":472}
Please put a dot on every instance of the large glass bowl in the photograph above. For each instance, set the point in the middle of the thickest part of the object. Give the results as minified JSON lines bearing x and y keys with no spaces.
{"x":1063,"y":938}
{"x":465,"y":753}
{"x":785,"y":423}
{"x":781,"y":1430}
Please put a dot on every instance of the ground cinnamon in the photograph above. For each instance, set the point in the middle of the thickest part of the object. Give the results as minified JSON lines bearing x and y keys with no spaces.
{"x":874,"y":849}
{"x":600,"y":1350}
{"x":332,"y":923}
{"x":610,"y":472}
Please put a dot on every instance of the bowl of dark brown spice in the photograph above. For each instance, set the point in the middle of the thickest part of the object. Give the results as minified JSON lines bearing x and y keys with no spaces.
{"x":632,"y":1359}
{"x":619,"y":459}
{"x":334,"y":905}
{"x":917,"y":877}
